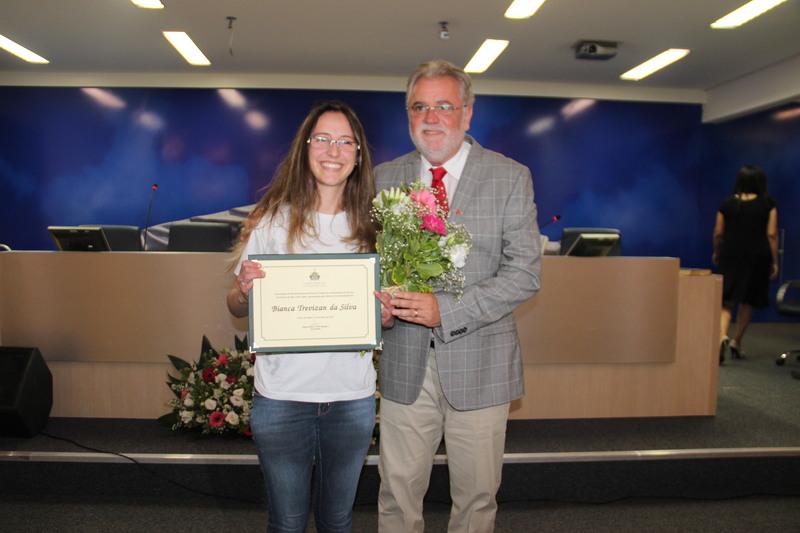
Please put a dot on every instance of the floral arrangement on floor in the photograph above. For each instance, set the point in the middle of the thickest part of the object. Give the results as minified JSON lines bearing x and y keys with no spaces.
{"x":420,"y":248}
{"x":214,"y":395}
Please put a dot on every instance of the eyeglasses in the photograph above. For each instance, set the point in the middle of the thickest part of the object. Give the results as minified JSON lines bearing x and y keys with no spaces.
{"x":443,"y":110}
{"x":323,"y":143}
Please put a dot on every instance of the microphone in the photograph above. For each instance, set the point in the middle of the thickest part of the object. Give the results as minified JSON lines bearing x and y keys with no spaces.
{"x":550,"y":221}
{"x":147,"y":220}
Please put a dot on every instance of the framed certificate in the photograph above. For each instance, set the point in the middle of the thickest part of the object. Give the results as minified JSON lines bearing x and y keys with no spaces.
{"x":315,"y":303}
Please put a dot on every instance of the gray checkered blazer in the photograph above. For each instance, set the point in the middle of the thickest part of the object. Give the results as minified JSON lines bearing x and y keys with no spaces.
{"x":477,"y":347}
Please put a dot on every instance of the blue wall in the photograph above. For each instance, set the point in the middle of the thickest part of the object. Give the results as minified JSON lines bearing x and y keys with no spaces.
{"x":651,"y":169}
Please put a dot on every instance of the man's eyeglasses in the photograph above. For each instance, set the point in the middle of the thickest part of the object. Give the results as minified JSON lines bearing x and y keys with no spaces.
{"x":442,"y":110}
{"x":323,"y":143}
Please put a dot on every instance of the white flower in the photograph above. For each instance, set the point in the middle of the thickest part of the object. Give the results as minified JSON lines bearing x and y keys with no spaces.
{"x":210,"y":404}
{"x":457,"y":254}
{"x":186,"y":416}
{"x":188,"y":401}
{"x":232,"y":418}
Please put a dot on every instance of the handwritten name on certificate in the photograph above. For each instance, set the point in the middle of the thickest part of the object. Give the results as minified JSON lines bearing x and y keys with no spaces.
{"x":315,"y":303}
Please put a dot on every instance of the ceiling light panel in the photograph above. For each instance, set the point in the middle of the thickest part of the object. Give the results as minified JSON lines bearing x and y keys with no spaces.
{"x":523,"y":9}
{"x":744,"y":14}
{"x":148,"y":4}
{"x":486,"y":55}
{"x":186,"y":47}
{"x":20,"y":51}
{"x":656,"y":63}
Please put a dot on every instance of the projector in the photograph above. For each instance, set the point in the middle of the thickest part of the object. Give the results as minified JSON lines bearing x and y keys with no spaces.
{"x":595,"y":50}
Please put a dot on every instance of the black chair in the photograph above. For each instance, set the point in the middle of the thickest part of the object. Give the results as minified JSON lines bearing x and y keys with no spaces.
{"x":788,"y":300}
{"x":200,"y":237}
{"x":121,"y":238}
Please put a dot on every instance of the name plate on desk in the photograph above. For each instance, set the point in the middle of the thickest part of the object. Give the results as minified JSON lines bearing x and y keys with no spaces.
{"x":315,"y":303}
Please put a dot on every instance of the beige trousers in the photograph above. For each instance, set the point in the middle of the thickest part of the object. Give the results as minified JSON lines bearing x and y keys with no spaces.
{"x":410,"y":436}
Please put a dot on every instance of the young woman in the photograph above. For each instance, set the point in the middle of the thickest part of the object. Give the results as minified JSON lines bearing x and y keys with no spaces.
{"x":312,"y":411}
{"x":746,"y":252}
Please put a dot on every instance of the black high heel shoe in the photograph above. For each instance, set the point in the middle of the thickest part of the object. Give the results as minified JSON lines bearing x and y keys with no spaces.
{"x":723,"y":347}
{"x":736,"y":351}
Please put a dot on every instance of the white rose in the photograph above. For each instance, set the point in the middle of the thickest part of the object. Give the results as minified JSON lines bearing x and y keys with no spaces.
{"x":457,"y":254}
{"x":232,"y":419}
{"x":210,"y":404}
{"x":188,"y":402}
{"x":236,"y":401}
{"x":186,"y":416}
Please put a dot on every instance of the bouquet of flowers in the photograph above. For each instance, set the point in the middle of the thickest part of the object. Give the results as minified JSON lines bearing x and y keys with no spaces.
{"x":214,"y":395}
{"x":420,"y":248}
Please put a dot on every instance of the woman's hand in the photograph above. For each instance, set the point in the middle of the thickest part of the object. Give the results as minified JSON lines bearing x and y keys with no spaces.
{"x":239,"y":292}
{"x":387,"y":318}
{"x":250,"y":270}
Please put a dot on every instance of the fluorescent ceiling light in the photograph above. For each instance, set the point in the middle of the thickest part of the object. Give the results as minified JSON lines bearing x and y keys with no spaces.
{"x":186,"y":47}
{"x":657,"y":63}
{"x":20,"y":51}
{"x":523,"y":9}
{"x":148,"y":4}
{"x":485,"y":56}
{"x":746,"y":13}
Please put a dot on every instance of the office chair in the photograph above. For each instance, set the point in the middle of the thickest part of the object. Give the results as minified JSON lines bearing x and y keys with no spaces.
{"x":789,"y":305}
{"x":200,"y":237}
{"x":121,"y":238}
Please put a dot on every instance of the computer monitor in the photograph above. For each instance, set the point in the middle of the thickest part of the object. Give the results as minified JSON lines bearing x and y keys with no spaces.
{"x":79,"y":238}
{"x":591,"y":242}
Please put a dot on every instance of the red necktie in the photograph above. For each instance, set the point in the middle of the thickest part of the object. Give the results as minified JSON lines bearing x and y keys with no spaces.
{"x":439,"y":190}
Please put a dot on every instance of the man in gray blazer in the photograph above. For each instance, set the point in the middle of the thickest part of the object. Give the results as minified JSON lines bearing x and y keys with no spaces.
{"x":450,"y":366}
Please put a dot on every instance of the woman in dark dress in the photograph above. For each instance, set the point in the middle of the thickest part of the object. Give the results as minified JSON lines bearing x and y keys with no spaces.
{"x":746,"y":253}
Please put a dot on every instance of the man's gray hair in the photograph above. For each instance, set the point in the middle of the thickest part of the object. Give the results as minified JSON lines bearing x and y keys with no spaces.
{"x":438,"y":69}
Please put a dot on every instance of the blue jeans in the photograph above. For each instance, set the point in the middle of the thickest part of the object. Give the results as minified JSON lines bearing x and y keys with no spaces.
{"x":294,"y":438}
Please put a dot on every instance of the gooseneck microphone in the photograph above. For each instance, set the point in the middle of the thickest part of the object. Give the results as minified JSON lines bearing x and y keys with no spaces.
{"x":550,"y":221}
{"x":147,"y":220}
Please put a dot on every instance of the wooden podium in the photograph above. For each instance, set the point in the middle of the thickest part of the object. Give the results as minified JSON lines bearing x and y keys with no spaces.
{"x":606,"y":337}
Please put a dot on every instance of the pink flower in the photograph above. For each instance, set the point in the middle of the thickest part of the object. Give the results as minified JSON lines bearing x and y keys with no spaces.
{"x":431,"y":223}
{"x":222,"y":360}
{"x":184,"y":394}
{"x":425,"y":199}
{"x":216,"y":419}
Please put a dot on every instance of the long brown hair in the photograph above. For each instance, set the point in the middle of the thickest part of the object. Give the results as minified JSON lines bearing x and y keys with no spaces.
{"x":294,"y":186}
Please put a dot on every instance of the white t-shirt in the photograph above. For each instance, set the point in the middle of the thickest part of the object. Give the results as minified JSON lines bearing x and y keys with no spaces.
{"x":310,"y":377}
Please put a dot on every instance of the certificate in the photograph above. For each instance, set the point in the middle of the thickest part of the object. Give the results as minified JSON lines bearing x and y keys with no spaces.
{"x":315,"y":303}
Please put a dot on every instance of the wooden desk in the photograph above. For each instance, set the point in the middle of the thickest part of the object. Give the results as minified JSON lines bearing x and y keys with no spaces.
{"x":105,"y":323}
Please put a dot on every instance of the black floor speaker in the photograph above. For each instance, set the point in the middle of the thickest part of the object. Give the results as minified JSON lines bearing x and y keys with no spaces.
{"x":26,"y":392}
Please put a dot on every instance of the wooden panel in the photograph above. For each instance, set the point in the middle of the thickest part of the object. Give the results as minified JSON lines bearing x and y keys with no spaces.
{"x":106,"y":321}
{"x":116,"y":306}
{"x":602,"y":310}
{"x":685,"y":387}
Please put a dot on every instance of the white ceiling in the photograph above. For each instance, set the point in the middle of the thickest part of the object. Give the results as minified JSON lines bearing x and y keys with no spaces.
{"x":382,"y":38}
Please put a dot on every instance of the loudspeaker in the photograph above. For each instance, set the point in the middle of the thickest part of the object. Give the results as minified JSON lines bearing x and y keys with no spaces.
{"x":26,"y":392}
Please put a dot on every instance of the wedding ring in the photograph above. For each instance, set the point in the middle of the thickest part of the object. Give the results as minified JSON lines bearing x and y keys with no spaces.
{"x":415,"y":313}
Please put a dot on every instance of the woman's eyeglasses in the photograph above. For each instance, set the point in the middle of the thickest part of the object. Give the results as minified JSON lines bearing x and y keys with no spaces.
{"x":323,"y":143}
